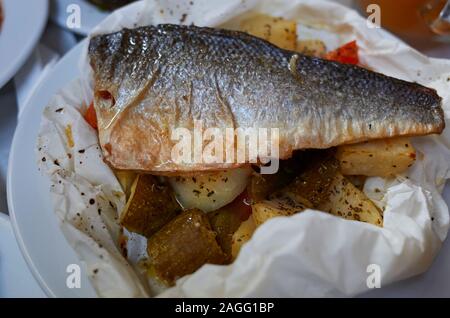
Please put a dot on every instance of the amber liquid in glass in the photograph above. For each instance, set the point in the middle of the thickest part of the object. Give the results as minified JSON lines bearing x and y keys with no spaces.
{"x":409,"y":19}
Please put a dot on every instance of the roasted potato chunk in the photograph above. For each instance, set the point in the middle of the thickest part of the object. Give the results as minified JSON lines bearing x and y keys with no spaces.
{"x":382,"y":158}
{"x":307,"y":190}
{"x":182,"y":246}
{"x":278,"y":31}
{"x":226,"y":220}
{"x":150,"y":206}
{"x":259,"y":187}
{"x":314,"y":183}
{"x":346,"y":201}
{"x":280,"y":204}
{"x":320,"y":186}
{"x":263,"y":185}
{"x":242,"y":235}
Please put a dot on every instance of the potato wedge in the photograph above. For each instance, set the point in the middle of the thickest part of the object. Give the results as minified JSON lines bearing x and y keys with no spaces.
{"x":242,"y":235}
{"x":315,"y":48}
{"x":182,"y":246}
{"x":226,"y":220}
{"x":382,"y":158}
{"x":150,"y":206}
{"x":225,"y":223}
{"x":348,"y":202}
{"x":278,"y":31}
{"x":261,"y":186}
{"x":281,"y":204}
{"x":314,"y":183}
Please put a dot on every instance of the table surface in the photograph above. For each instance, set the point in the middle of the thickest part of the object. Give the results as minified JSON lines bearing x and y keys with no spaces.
{"x":8,"y":122}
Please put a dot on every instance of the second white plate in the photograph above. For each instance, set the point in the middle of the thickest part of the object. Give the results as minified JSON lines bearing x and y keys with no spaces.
{"x":23,"y":24}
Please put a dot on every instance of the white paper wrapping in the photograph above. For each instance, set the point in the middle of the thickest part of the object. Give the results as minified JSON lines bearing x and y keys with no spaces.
{"x":311,"y":254}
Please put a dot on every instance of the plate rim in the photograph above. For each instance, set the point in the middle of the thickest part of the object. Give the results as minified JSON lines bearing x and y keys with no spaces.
{"x":28,"y":48}
{"x":11,"y":166}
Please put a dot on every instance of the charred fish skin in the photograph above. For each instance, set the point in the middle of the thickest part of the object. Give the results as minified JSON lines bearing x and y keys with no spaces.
{"x":166,"y":76}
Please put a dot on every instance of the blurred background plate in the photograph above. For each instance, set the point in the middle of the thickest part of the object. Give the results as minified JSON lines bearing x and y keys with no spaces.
{"x":24,"y":21}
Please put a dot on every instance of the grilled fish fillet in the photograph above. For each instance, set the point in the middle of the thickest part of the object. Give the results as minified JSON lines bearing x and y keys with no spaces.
{"x":150,"y":80}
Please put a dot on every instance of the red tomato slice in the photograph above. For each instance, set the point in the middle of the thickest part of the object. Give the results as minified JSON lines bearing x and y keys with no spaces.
{"x":347,"y":54}
{"x":90,"y":116}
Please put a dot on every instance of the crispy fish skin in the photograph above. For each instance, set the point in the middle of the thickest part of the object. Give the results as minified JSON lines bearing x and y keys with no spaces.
{"x":153,"y":79}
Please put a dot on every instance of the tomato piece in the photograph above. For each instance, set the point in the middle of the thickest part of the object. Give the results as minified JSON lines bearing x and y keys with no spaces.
{"x":347,"y":54}
{"x":90,"y":116}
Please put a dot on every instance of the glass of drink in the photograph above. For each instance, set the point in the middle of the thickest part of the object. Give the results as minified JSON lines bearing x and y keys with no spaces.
{"x":422,"y":23}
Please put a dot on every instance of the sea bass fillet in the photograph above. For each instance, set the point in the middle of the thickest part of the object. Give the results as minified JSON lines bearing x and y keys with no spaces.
{"x":151,"y":80}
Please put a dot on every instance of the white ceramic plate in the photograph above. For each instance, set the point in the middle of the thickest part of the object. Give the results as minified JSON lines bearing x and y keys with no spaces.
{"x":23,"y":24}
{"x":15,"y":277}
{"x":90,"y":14}
{"x":44,"y":246}
{"x":36,"y":226}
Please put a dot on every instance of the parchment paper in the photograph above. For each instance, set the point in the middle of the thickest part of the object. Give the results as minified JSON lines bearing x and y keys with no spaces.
{"x":310,"y":254}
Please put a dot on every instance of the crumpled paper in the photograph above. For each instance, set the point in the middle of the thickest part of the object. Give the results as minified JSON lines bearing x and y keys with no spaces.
{"x":311,"y":254}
